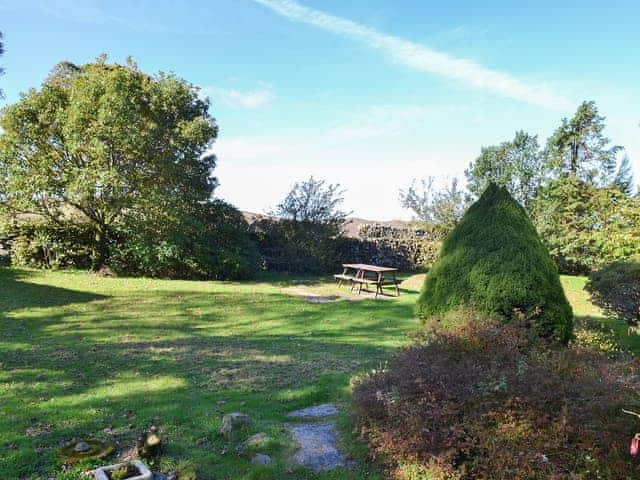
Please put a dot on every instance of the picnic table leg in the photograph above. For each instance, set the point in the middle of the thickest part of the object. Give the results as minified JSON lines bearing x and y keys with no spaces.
{"x":344,"y":272}
{"x":353,"y":284}
{"x":379,"y":284}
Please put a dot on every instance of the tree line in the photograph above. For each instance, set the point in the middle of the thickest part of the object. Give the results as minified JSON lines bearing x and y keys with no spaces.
{"x":578,"y":190}
{"x":105,"y":165}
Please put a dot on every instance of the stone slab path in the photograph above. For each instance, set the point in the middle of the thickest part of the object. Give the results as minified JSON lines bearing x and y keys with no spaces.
{"x":318,"y":411}
{"x":318,"y":442}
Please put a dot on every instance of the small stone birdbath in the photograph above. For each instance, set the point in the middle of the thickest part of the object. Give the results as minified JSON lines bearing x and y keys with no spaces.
{"x":75,"y":452}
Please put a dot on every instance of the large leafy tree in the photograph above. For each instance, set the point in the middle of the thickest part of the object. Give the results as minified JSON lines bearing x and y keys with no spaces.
{"x":579,"y":147}
{"x":99,"y":141}
{"x":517,"y":165}
{"x":443,"y":207}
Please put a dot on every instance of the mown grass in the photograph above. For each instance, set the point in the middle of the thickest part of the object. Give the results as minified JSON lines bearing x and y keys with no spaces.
{"x":590,"y":318}
{"x":83,"y":356}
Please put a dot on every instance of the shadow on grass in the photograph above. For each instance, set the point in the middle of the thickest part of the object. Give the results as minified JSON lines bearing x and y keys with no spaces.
{"x":16,"y":292}
{"x":168,"y":357}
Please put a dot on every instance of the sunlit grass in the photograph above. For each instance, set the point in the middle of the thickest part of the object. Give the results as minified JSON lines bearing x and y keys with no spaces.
{"x":84,"y":356}
{"x":108,"y":357}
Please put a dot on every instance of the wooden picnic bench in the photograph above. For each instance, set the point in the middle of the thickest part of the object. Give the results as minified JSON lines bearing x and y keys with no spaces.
{"x":365,"y":275}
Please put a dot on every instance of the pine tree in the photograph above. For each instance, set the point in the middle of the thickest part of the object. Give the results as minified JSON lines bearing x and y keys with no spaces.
{"x":623,"y":179}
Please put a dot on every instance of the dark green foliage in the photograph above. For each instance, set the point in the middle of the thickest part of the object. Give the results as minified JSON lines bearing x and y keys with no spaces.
{"x":495,"y":262}
{"x":616,"y":288}
{"x":209,"y":241}
{"x":42,"y":244}
{"x":586,"y":227}
{"x":99,"y":141}
{"x":298,"y":247}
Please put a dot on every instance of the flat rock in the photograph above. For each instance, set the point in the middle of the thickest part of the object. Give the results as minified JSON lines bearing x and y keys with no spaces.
{"x":261,"y":459}
{"x":259,"y":440}
{"x":317,"y":411}
{"x":318,"y":446}
{"x":233,"y":422}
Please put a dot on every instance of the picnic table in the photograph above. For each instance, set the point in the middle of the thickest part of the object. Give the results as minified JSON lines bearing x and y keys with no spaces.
{"x":365,"y":275}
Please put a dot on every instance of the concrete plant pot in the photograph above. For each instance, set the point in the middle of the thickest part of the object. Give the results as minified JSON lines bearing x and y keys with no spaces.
{"x":103,"y":473}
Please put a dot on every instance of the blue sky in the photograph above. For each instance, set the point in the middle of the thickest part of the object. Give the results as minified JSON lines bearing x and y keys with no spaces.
{"x":365,"y":93}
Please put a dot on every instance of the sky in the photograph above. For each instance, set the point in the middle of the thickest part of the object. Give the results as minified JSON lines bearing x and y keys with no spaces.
{"x":369,"y":94}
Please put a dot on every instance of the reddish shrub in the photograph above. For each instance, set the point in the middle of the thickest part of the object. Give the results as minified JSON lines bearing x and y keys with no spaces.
{"x":485,"y":402}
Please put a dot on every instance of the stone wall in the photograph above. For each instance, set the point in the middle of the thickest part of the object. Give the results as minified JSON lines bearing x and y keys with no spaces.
{"x":406,"y":248}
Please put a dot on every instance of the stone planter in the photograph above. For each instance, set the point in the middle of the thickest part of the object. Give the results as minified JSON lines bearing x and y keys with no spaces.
{"x":103,"y":473}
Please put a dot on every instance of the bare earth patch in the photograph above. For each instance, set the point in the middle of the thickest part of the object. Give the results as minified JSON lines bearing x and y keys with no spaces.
{"x":314,"y":297}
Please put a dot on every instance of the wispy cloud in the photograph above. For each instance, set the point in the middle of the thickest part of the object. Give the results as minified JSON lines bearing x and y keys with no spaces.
{"x":240,"y":98}
{"x":422,"y":58}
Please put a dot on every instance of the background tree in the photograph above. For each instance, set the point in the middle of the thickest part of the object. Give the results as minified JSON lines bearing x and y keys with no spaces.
{"x":313,"y":201}
{"x":517,"y":165}
{"x":1,"y":69}
{"x":579,"y":148}
{"x":307,"y":235}
{"x":623,"y":179}
{"x":585,"y":226}
{"x":99,"y":140}
{"x":443,"y":207}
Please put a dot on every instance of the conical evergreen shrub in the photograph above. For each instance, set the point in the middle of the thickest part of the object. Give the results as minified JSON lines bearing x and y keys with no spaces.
{"x":495,"y":262}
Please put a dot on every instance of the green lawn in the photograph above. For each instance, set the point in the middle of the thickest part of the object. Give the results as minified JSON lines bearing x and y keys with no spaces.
{"x":80,"y":354}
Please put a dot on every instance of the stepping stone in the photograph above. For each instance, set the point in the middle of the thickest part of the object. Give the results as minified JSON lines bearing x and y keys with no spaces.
{"x":317,"y":411}
{"x":233,"y":422}
{"x":261,"y":459}
{"x":318,"y":446}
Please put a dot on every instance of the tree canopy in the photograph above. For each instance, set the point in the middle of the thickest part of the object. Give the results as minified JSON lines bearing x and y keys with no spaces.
{"x":579,"y":147}
{"x":516,"y":165}
{"x":585,"y":226}
{"x":495,"y":262}
{"x":442,"y":207}
{"x":314,"y":201}
{"x":100,"y":140}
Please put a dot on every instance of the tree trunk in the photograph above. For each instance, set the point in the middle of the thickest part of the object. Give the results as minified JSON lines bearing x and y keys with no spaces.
{"x":100,"y":250}
{"x":574,"y":158}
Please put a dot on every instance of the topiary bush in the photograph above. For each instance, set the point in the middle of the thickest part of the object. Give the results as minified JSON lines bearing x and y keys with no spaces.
{"x":616,"y":289}
{"x":495,"y":262}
